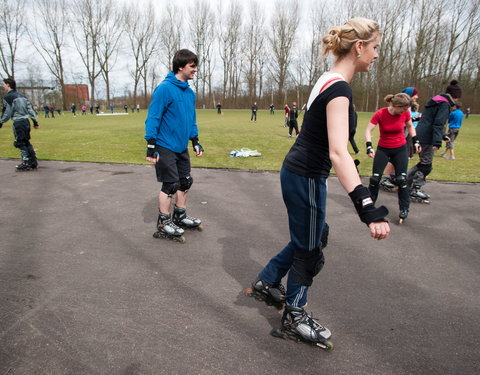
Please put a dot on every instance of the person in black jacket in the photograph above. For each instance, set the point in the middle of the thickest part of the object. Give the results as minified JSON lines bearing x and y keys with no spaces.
{"x":18,"y":108}
{"x":292,"y":123}
{"x":430,"y":133}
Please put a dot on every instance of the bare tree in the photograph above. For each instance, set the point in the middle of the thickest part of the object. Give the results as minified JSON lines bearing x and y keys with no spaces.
{"x":284,"y":26}
{"x":107,"y":48}
{"x":202,"y":29}
{"x":142,"y":30}
{"x":171,"y":37}
{"x":48,"y":36}
{"x":229,"y":40}
{"x":12,"y":28}
{"x":253,"y":49}
{"x":86,"y":27}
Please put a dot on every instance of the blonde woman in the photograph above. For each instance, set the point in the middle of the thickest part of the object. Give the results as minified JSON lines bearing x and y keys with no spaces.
{"x":321,"y":144}
{"x":392,"y":147}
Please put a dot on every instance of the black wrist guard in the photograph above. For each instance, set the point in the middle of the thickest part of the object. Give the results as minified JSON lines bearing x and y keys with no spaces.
{"x":196,"y":144}
{"x":415,"y":140}
{"x":445,"y":138}
{"x":369,"y":147}
{"x":35,"y":123}
{"x":1,"y":124}
{"x":365,"y":207}
{"x":151,"y":147}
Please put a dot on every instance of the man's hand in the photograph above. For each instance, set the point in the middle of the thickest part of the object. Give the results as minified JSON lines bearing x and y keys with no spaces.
{"x":1,"y":124}
{"x":35,"y":124}
{"x":152,"y":153}
{"x":380,"y":230}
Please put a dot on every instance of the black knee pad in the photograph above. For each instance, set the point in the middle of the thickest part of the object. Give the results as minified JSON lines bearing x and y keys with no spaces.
{"x":306,"y":265}
{"x":375,"y":179}
{"x":170,"y":188}
{"x":185,"y":183}
{"x":401,"y":180}
{"x":20,"y":144}
{"x":425,"y":168}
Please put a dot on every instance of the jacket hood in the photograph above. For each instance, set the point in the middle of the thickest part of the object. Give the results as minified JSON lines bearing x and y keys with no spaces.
{"x":172,"y":79}
{"x":440,"y":98}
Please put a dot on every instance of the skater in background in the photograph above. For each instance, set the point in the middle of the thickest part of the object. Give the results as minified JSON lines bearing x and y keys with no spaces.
{"x":292,"y":123}
{"x":287,"y":115}
{"x":84,"y":110}
{"x":430,"y":133}
{"x":254,"y":112}
{"x":467,"y":113}
{"x":219,"y":109}
{"x":18,"y":108}
{"x":392,"y":147}
{"x":170,"y":124}
{"x":387,"y":182}
{"x":272,"y":109}
{"x":73,"y":108}
{"x":323,"y":142}
{"x":455,"y":119}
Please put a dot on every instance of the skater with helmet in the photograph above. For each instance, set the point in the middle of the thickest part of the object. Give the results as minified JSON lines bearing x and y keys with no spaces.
{"x":170,"y":124}
{"x":322,"y":143}
{"x":392,"y":146}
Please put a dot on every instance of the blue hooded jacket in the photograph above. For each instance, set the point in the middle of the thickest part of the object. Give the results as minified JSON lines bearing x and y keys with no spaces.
{"x":171,"y":118}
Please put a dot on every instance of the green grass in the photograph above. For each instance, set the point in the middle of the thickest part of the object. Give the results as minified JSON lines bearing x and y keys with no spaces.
{"x":119,"y":139}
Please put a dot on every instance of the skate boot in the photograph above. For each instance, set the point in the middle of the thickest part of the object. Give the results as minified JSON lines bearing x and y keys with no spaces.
{"x":181,"y":219}
{"x":419,"y":196}
{"x":23,"y":167}
{"x":387,"y":184}
{"x":300,"y":326}
{"x":167,"y":229}
{"x":402,"y":215}
{"x":271,"y":295}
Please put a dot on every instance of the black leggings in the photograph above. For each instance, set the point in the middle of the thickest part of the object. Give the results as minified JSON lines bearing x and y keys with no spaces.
{"x":399,"y":158}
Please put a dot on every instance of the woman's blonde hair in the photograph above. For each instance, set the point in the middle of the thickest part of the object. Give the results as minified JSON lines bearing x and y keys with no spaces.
{"x":399,"y":100}
{"x":340,"y":39}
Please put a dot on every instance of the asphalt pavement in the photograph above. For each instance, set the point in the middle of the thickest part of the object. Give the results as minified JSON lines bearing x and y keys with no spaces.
{"x":86,"y":289}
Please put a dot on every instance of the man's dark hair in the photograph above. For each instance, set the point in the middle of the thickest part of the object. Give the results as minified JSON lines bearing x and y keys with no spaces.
{"x":10,"y":82}
{"x":182,"y":58}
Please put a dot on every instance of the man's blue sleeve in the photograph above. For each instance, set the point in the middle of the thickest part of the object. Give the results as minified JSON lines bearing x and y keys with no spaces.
{"x":155,"y":112}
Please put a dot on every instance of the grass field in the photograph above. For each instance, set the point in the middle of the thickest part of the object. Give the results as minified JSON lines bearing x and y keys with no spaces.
{"x":119,"y":139}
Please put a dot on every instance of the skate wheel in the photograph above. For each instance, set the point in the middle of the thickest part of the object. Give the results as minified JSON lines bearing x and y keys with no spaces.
{"x":326,"y":345}
{"x":248,"y":292}
{"x":278,"y":332}
{"x":180,"y":239}
{"x":400,"y":221}
{"x":199,"y":228}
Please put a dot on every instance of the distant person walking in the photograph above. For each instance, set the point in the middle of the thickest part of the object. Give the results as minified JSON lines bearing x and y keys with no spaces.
{"x":287,"y":115}
{"x":254,"y":112}
{"x":219,"y":109}
{"x":292,"y":123}
{"x":74,"y":110}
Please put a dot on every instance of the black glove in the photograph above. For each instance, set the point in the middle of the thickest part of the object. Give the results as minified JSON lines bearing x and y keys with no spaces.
{"x":196,"y":144}
{"x":1,"y":124}
{"x":415,"y":140}
{"x":369,"y":147}
{"x":151,"y":148}
{"x":35,"y":124}
{"x":366,"y":209}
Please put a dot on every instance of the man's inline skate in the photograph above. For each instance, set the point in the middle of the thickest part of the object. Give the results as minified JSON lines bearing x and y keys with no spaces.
{"x":167,"y":229}
{"x":181,"y":219}
{"x":419,"y":196}
{"x":300,"y":326}
{"x":272,"y":295}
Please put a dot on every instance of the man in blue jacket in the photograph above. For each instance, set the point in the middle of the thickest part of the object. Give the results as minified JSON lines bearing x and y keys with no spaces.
{"x":170,"y":124}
